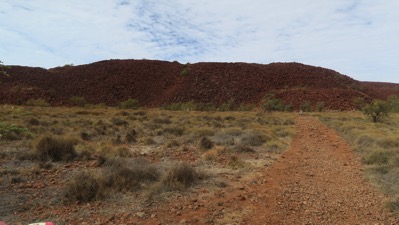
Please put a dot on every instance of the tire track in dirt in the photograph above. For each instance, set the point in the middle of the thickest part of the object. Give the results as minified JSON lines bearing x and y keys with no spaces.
{"x":319,"y":180}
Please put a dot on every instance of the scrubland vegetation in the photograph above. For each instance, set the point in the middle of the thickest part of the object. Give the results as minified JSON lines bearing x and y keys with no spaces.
{"x":378,"y":146}
{"x":91,"y":154}
{"x":94,"y":153}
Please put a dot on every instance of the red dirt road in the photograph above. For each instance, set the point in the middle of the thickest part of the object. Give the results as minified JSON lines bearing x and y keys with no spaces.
{"x":319,"y":181}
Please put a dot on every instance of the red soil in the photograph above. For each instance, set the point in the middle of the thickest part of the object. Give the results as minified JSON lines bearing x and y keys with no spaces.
{"x":155,"y":83}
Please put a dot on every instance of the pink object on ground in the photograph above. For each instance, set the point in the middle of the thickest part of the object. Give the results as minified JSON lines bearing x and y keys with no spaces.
{"x":2,"y":223}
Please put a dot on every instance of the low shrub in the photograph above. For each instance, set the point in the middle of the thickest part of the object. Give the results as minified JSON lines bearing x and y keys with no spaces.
{"x":86,"y":136}
{"x":224,"y":138}
{"x":131,"y":136}
{"x":246,"y":107}
{"x":162,"y":120}
{"x":253,"y":139}
{"x":172,"y":143}
{"x":117,"y":175}
{"x":37,"y":102}
{"x":177,"y":131}
{"x":123,"y":175}
{"x":211,"y":155}
{"x":227,"y":106}
{"x":305,"y":107}
{"x":149,"y":141}
{"x":129,"y":104}
{"x":205,"y":143}
{"x":393,"y":205}
{"x":377,"y":157}
{"x":179,"y":176}
{"x":320,"y":106}
{"x":85,"y":187}
{"x":11,"y":132}
{"x":78,"y":101}
{"x":244,"y":148}
{"x":119,"y":122}
{"x":236,"y":163}
{"x":33,"y":122}
{"x":273,"y":105}
{"x":55,"y":149}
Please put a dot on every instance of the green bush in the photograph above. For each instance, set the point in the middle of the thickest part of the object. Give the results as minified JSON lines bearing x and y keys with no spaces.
{"x":359,"y":103}
{"x":246,"y":107}
{"x":78,"y":101}
{"x":37,"y":102}
{"x":305,"y":107}
{"x":181,"y":106}
{"x":273,"y":105}
{"x":320,"y":106}
{"x":289,"y":108}
{"x":11,"y":132}
{"x":185,"y":71}
{"x":377,"y":110}
{"x":227,"y":106}
{"x":393,"y":103}
{"x":129,"y":104}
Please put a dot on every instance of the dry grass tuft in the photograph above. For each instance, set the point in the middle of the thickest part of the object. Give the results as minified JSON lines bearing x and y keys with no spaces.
{"x":117,"y":175}
{"x":51,"y":148}
{"x":179,"y":176}
{"x":85,"y":187}
{"x":205,"y":143}
{"x":254,"y":138}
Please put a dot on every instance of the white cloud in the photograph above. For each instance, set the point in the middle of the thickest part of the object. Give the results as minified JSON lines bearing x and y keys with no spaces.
{"x":354,"y":37}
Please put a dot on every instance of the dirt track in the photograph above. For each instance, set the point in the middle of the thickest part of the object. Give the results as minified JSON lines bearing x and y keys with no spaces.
{"x":319,"y":181}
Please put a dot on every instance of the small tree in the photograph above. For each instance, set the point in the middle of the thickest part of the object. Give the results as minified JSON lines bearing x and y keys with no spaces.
{"x":185,"y":71}
{"x":377,"y":110}
{"x":305,"y":107}
{"x":273,"y":104}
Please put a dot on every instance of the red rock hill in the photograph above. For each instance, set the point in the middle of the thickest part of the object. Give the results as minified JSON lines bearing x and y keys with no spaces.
{"x":156,"y":83}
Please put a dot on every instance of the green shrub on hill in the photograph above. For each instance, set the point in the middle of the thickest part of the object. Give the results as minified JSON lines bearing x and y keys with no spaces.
{"x":129,"y":104}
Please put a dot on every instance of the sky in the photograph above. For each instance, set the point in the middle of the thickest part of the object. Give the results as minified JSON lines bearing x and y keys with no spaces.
{"x":358,"y":38}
